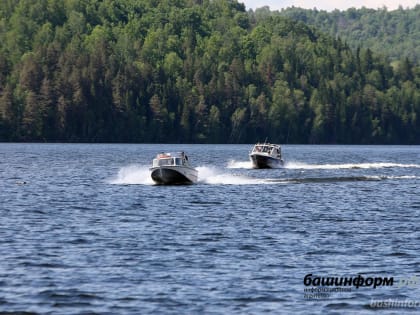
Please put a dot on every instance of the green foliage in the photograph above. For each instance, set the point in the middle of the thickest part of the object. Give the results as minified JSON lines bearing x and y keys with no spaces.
{"x":194,"y":71}
{"x":395,"y":34}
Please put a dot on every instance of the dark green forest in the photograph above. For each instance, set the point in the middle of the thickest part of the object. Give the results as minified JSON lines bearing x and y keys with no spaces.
{"x":193,"y":71}
{"x":396,"y":33}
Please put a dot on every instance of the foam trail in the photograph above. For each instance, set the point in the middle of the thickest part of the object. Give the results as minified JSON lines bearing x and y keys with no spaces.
{"x":213,"y":176}
{"x":300,"y":165}
{"x":315,"y":180}
{"x":239,"y":164}
{"x":402,"y":177}
{"x":133,"y":175}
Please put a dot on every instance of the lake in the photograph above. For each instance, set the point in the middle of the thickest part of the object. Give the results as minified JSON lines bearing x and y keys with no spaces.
{"x":85,"y":231}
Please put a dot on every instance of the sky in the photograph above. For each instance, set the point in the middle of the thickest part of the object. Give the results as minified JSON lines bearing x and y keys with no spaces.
{"x":329,"y":5}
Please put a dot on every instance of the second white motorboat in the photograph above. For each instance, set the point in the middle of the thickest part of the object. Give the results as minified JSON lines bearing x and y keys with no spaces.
{"x":266,"y":155}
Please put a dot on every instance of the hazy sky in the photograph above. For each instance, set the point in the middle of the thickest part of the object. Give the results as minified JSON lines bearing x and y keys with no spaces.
{"x":329,"y":5}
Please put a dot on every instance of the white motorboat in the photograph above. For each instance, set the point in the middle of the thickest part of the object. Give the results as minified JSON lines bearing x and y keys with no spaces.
{"x":173,"y":168}
{"x":266,"y":155}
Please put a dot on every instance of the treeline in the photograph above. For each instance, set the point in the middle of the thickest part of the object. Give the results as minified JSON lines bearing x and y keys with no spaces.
{"x":192,"y":71}
{"x":395,"y":34}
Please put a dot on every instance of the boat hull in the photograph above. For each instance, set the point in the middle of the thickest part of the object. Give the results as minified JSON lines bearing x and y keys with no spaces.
{"x":174,"y":175}
{"x":264,"y":161}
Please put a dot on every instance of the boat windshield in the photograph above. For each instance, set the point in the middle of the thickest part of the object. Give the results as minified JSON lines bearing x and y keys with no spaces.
{"x":263,"y":148}
{"x":269,"y":149}
{"x":258,"y":148}
{"x":167,"y":161}
{"x":162,"y":162}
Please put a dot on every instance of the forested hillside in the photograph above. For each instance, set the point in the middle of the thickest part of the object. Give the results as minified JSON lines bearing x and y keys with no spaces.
{"x":395,"y":33}
{"x":192,"y":71}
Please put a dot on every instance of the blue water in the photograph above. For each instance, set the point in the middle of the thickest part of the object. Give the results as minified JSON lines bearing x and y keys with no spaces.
{"x":84,"y":230}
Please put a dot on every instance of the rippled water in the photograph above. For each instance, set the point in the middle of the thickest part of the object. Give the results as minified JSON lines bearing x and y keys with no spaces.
{"x":84,"y":230}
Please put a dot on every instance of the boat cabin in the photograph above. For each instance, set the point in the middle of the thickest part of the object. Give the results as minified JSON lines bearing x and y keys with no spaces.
{"x":267,"y":148}
{"x":175,"y":159}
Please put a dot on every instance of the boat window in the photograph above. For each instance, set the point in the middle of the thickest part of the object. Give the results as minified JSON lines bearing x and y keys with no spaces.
{"x":178,"y":161}
{"x":164,"y":162}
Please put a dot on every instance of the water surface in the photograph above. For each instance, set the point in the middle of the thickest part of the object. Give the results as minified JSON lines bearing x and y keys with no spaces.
{"x":85,"y":230}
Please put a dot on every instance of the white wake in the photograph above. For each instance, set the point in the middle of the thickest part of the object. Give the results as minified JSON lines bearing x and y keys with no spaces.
{"x":239,"y":164}
{"x":133,"y":175}
{"x":215,"y":176}
{"x":300,"y":165}
{"x":140,"y":174}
